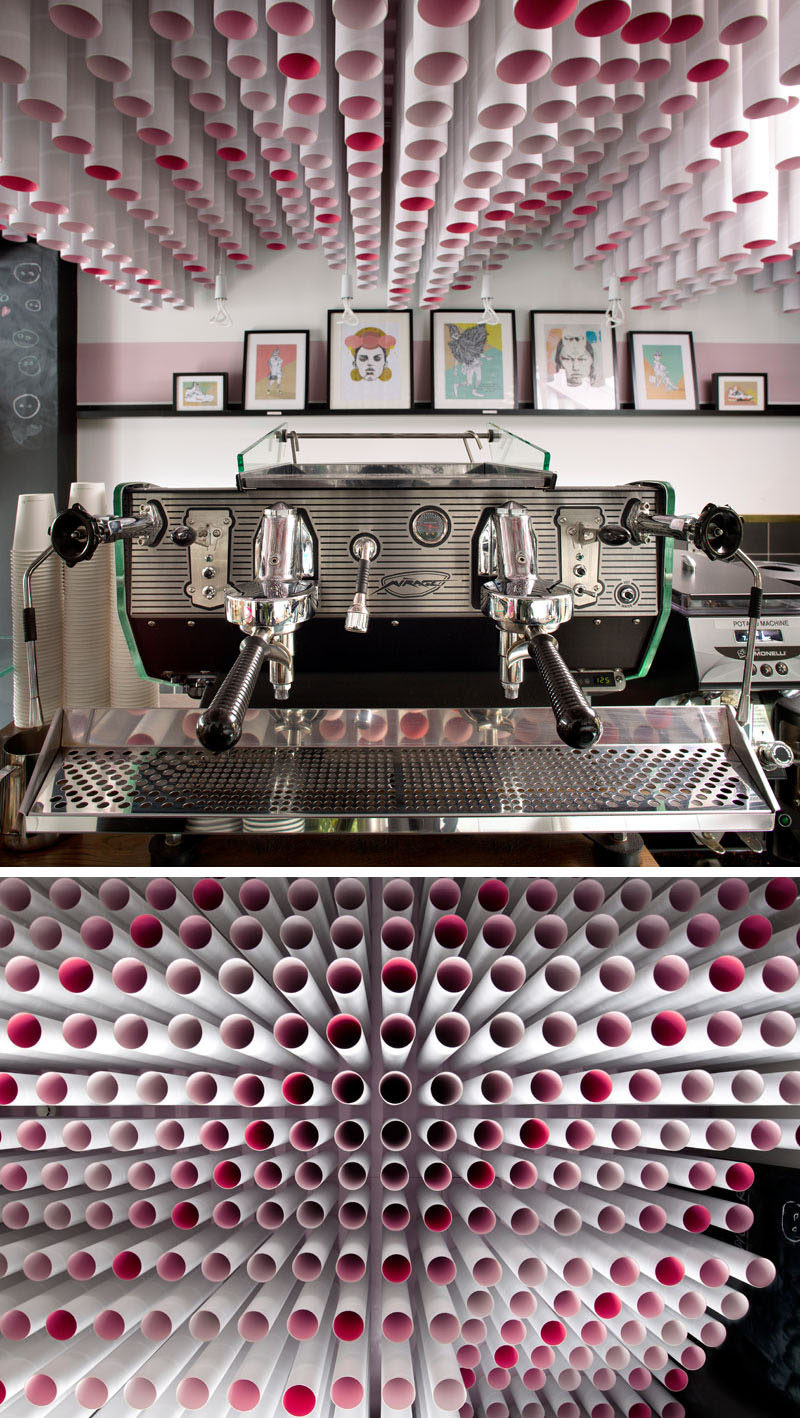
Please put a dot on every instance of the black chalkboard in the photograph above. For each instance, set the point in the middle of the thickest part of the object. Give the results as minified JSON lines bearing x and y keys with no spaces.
{"x":38,"y":335}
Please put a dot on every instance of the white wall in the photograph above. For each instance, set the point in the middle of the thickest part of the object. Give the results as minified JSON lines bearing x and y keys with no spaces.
{"x":749,"y":461}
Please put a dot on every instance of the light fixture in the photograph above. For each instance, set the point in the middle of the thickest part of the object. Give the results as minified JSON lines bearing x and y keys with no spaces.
{"x":221,"y":314}
{"x":348,"y":315}
{"x":615,"y":313}
{"x":489,"y":316}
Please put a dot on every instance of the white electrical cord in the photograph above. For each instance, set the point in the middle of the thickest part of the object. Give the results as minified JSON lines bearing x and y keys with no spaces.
{"x":220,"y":314}
{"x":348,"y":315}
{"x":615,"y":314}
{"x":489,"y":316}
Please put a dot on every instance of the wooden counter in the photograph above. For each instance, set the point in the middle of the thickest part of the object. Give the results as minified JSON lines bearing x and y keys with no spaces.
{"x":118,"y":851}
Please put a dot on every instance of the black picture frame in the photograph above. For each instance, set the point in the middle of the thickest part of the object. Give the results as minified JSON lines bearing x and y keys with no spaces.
{"x":480,"y":406}
{"x":252,"y":405}
{"x":742,"y":408}
{"x":367,"y":318}
{"x":580,"y":314}
{"x":637,"y":336}
{"x":200,"y":374}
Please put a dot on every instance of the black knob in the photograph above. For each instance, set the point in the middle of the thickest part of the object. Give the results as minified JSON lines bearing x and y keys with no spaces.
{"x":74,"y":535}
{"x":719,"y":532}
{"x":184,"y":536}
{"x":613,"y":536}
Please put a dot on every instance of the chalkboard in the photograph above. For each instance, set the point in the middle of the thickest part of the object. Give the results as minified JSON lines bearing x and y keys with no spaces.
{"x":38,"y":335}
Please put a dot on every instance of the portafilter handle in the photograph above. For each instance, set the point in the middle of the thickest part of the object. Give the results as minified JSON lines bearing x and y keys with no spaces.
{"x":219,"y":727}
{"x":576,"y":722}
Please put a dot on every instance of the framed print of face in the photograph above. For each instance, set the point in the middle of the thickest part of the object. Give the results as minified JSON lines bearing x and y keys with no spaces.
{"x":740,"y":393}
{"x":199,"y":393}
{"x":663,"y":370}
{"x":574,"y":360}
{"x":275,"y":372}
{"x":473,"y":364}
{"x":369,"y":364}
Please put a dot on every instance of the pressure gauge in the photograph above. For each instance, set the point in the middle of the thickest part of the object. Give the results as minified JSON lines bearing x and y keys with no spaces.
{"x":430,"y":526}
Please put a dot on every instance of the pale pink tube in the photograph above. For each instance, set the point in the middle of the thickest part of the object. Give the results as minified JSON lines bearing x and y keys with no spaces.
{"x":350,"y":899}
{"x":202,"y":1373}
{"x":397,"y":937}
{"x":240,"y":981}
{"x":348,"y":940}
{"x":349,"y":1378}
{"x":448,"y":936}
{"x":298,"y":936}
{"x":345,"y":981}
{"x":397,"y":1376}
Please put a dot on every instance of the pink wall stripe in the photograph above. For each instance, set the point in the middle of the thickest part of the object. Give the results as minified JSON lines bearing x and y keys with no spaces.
{"x":113,"y":372}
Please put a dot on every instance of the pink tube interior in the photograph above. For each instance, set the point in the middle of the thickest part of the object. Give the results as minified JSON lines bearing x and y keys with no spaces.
{"x":506,"y":1030}
{"x":499,"y":932}
{"x":397,"y":933}
{"x":237,"y":1031}
{"x":348,"y":1087}
{"x":455,"y":976}
{"x":202,"y":1087}
{"x":296,"y":933}
{"x":447,"y":1088}
{"x":344,"y":976}
{"x":444,"y":894}
{"x":346,"y":933}
{"x":450,"y":932}
{"x":398,"y":895}
{"x":246,"y":933}
{"x":349,"y":894}
{"x":398,"y":1031}
{"x":452,"y":1030}
{"x":399,"y":976}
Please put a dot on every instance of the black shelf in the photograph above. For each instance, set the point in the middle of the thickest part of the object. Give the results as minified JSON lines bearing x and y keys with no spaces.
{"x":110,"y":411}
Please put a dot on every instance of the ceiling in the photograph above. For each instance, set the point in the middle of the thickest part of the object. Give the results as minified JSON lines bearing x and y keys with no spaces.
{"x":416,"y":143}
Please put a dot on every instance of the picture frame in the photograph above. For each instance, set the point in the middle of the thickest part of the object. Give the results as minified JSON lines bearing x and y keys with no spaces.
{"x":199,"y":393}
{"x":573,"y":361}
{"x":473,"y":365}
{"x":740,"y":393}
{"x":663,"y":371}
{"x":275,"y":371}
{"x":370,"y":365}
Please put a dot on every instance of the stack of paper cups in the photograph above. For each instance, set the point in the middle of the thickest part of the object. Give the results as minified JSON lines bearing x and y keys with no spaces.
{"x":128,"y":689}
{"x":35,"y":513}
{"x":86,"y":614}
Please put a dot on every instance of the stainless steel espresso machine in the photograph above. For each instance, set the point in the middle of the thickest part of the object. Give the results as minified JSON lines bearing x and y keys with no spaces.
{"x":397,"y":647}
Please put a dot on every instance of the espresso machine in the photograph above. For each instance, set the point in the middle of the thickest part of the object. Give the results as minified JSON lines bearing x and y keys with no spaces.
{"x":398,"y":647}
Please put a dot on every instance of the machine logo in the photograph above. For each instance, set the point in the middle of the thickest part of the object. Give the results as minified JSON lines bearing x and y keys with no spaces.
{"x":411,"y":588}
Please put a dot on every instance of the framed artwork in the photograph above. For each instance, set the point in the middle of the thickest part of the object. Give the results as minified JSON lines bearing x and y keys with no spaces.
{"x":199,"y":393}
{"x":370,"y":364}
{"x":275,"y":372}
{"x":740,"y":393}
{"x":573,"y":360}
{"x":663,"y":370}
{"x":473,"y":365}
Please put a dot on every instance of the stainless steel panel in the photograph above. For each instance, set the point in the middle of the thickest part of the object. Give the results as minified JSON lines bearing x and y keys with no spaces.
{"x":406,"y":577}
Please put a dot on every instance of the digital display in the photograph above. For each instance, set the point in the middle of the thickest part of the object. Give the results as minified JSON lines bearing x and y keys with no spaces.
{"x":763,"y":636}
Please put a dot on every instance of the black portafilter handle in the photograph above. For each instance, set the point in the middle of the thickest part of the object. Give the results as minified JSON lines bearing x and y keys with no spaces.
{"x":576,"y":722}
{"x":219,"y":727}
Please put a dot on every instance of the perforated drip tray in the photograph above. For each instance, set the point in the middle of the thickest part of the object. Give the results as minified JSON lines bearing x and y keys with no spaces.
{"x":399,"y":770}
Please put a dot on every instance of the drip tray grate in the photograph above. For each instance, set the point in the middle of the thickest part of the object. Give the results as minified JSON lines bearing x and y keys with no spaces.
{"x":697,"y":779}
